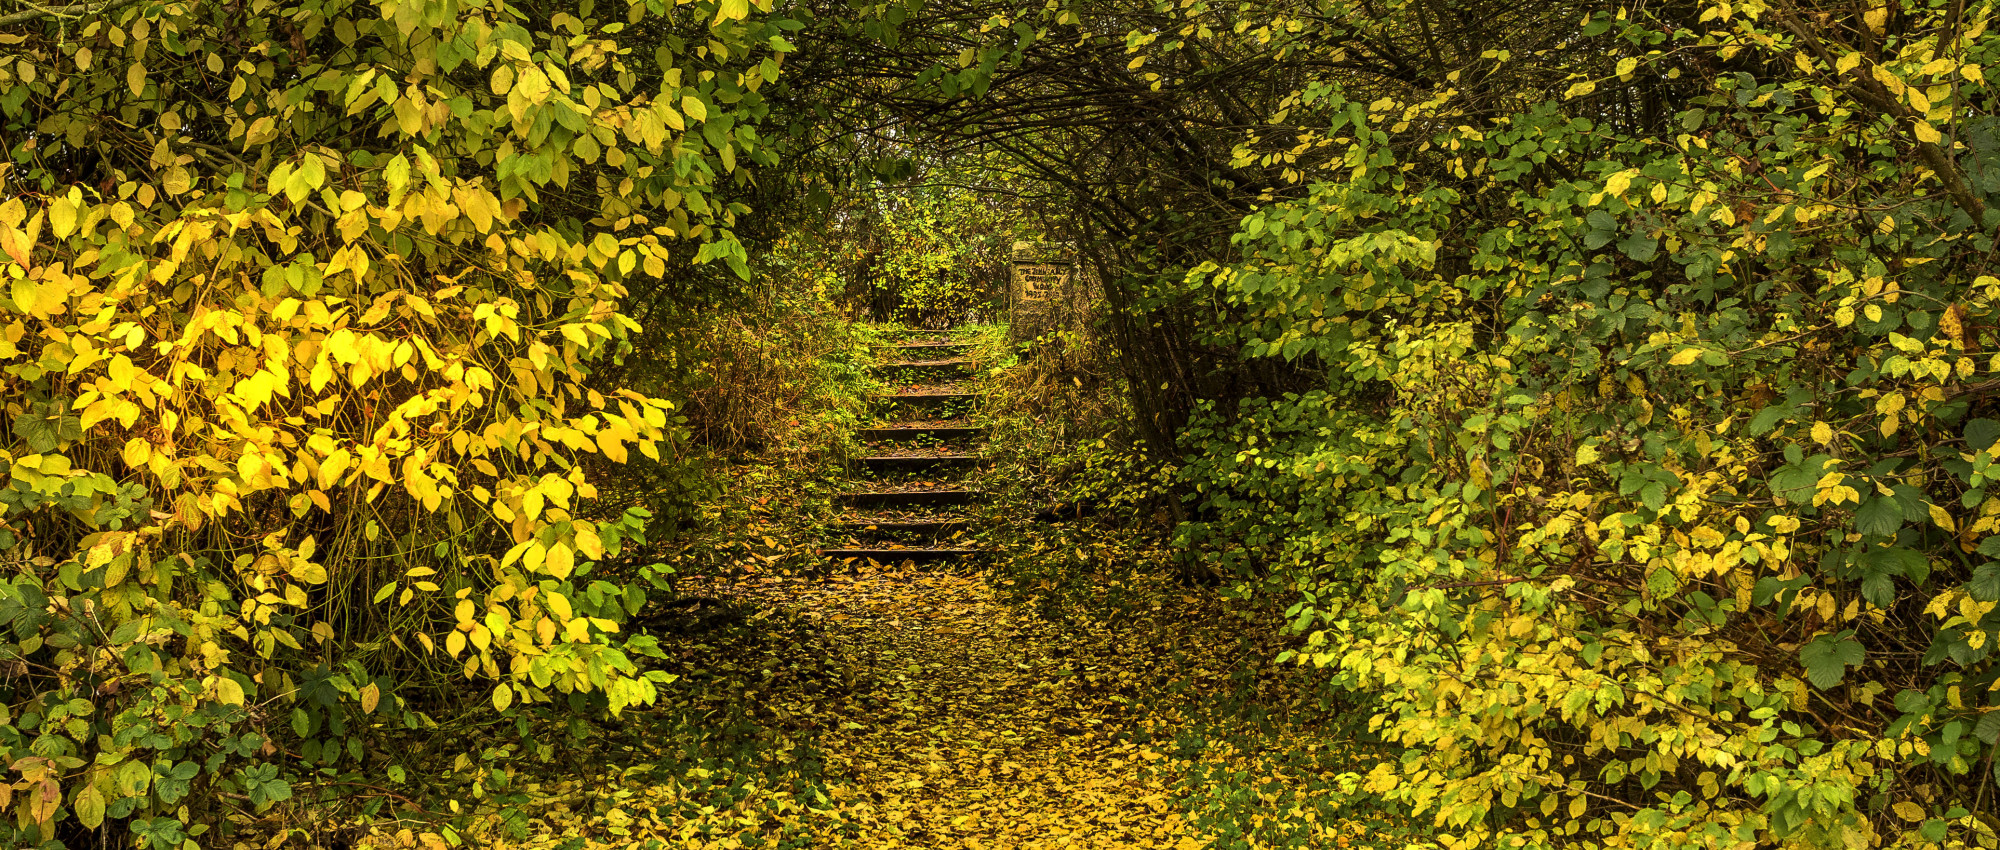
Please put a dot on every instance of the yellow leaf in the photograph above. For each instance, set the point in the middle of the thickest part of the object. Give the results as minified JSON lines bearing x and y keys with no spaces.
{"x":732,"y":10}
{"x":1909,"y":811}
{"x":1847,"y":63}
{"x":503,"y":697}
{"x":694,"y":108}
{"x":135,"y":78}
{"x":62,"y":217}
{"x":1684,"y":357}
{"x":89,"y":807}
{"x":26,"y":296}
{"x":1822,"y":433}
{"x":1581,"y":89}
{"x":1888,"y":79}
{"x":533,"y":85}
{"x":1927,"y":133}
{"x":559,"y":561}
{"x":1943,"y":519}
{"x":16,"y":245}
{"x":588,"y":543}
{"x":308,"y":572}
{"x":228,"y":691}
{"x":1626,"y":66}
{"x":409,"y":118}
{"x":370,"y":697}
{"x":472,"y":202}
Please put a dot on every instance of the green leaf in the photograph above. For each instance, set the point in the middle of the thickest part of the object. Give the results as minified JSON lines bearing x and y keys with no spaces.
{"x":1981,"y":434}
{"x":1768,"y":418}
{"x":1827,"y":658}
{"x":1880,"y":516}
{"x":1988,"y":729}
{"x":1985,"y":583}
{"x":1640,"y":247}
{"x":46,"y":430}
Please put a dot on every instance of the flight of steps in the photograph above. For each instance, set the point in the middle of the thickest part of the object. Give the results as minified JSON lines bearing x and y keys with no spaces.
{"x":912,"y":491}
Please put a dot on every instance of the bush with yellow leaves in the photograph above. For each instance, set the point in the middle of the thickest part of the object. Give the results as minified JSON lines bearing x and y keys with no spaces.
{"x":301,"y":307}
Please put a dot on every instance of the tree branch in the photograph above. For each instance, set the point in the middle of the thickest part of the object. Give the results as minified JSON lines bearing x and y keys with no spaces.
{"x":74,"y":10}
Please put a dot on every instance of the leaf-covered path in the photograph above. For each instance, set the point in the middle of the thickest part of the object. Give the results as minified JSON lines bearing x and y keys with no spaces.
{"x":907,"y":707}
{"x":981,"y":729}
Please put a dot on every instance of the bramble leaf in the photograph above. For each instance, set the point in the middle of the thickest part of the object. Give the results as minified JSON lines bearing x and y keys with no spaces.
{"x":1826,"y":658}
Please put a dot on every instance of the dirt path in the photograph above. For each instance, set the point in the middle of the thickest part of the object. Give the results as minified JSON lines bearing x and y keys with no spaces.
{"x":980,"y":737}
{"x":912,"y":708}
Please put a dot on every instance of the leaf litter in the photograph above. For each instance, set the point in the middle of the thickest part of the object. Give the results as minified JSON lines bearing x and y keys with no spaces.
{"x":905,"y":707}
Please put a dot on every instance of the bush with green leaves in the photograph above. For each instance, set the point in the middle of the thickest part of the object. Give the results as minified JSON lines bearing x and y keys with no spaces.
{"x":1648,"y":484}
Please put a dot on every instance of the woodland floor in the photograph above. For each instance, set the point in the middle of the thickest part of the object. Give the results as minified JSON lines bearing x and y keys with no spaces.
{"x":912,"y":707}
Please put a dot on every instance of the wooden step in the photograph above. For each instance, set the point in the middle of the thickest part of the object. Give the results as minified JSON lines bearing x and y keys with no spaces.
{"x":911,"y":463}
{"x":935,"y":432}
{"x":925,"y":370}
{"x":900,"y":499}
{"x":896,"y":556}
{"x":923,"y":349}
{"x":956,"y":363}
{"x":930,"y":398}
{"x":934,"y":526}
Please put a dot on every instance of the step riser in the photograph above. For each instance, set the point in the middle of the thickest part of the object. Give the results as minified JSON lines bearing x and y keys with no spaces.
{"x":912,"y":434}
{"x":921,"y":556}
{"x":875,"y":540}
{"x":922,"y":374}
{"x":951,"y":368}
{"x":918,"y":464}
{"x":916,"y":499}
{"x":931,"y":402}
{"x":918,"y":526}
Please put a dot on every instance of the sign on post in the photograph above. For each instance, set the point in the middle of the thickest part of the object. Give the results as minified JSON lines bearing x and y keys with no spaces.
{"x":1046,"y":292}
